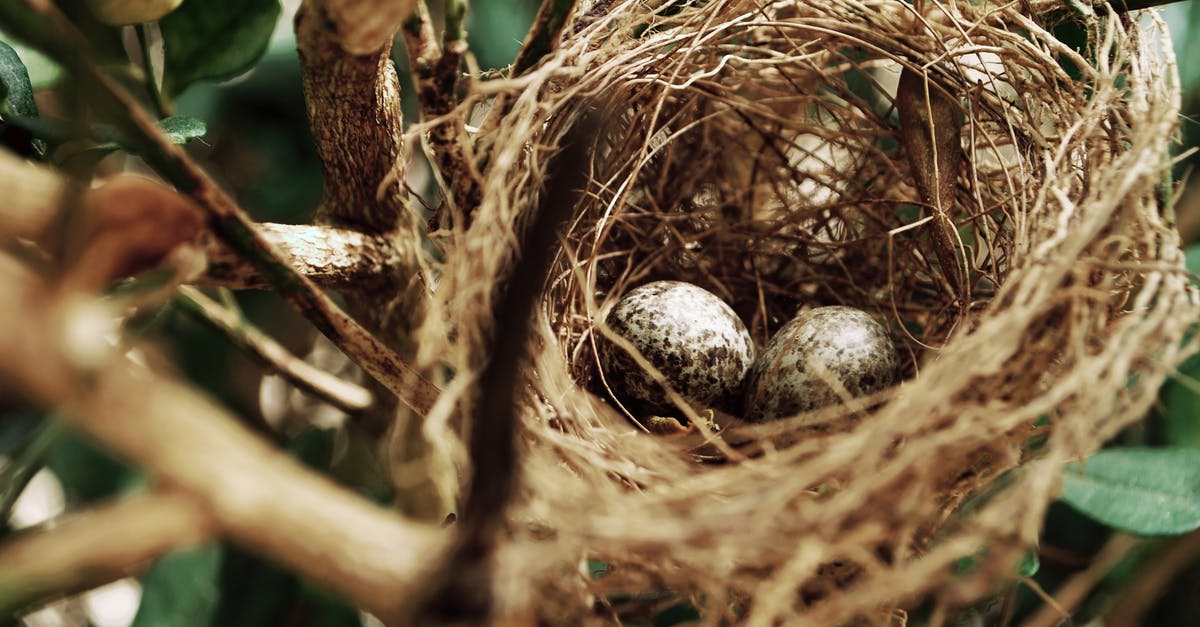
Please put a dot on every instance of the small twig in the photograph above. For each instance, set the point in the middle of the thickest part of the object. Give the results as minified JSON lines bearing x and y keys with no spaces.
{"x":98,"y":545}
{"x":930,"y":130}
{"x":436,"y":72}
{"x":464,"y":591}
{"x":344,"y":395}
{"x":44,"y":27}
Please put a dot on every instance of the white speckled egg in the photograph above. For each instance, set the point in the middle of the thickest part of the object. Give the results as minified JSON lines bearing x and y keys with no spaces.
{"x":692,"y":337}
{"x":849,"y":344}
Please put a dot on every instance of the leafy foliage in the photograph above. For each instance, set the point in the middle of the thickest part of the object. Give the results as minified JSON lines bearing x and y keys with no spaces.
{"x":215,"y":39}
{"x":181,"y":589}
{"x":1145,"y":491}
{"x":16,"y":92}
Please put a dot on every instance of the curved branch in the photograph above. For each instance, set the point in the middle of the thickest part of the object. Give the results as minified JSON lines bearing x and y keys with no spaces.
{"x":354,"y":112}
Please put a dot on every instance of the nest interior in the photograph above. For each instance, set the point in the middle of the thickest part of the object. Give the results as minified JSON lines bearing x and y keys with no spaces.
{"x":752,"y":148}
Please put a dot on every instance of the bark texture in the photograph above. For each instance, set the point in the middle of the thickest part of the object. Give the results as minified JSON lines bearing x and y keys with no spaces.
{"x":353,"y":100}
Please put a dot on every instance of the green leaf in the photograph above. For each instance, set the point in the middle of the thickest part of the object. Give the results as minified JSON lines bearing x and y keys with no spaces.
{"x":15,"y":89}
{"x":1029,"y":565}
{"x":42,"y":71}
{"x":1145,"y":491}
{"x":181,"y":129}
{"x":215,"y":39}
{"x":88,"y":472}
{"x":180,"y":589}
{"x":17,"y":428}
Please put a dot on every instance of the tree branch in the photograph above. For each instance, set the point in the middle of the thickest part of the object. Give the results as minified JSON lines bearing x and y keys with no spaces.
{"x":543,"y":34}
{"x":363,"y":26}
{"x":436,"y":72}
{"x":98,"y":545}
{"x":43,"y":26}
{"x":334,"y":258}
{"x":354,"y":110}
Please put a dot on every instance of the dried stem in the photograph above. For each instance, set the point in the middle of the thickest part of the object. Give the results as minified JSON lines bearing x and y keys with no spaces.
{"x":931,"y":123}
{"x":344,"y":395}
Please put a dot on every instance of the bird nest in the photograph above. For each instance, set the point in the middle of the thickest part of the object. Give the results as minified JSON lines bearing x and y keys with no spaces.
{"x":752,"y":148}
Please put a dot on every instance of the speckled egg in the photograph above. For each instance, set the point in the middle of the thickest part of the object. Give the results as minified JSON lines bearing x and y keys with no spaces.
{"x":692,"y":337}
{"x":849,"y":344}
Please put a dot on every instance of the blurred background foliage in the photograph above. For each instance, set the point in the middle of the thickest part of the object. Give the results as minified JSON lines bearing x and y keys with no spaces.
{"x":258,"y":145}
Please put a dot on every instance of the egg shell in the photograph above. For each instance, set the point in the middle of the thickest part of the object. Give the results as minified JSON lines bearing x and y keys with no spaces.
{"x":690,"y":335}
{"x":848,"y":343}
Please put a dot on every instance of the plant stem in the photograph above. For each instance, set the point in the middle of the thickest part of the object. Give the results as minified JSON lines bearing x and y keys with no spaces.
{"x":161,"y":104}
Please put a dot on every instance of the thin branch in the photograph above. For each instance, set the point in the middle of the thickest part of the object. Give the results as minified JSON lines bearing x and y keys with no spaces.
{"x":332,"y":257}
{"x":344,"y":395}
{"x":99,"y":545}
{"x":436,"y":72}
{"x":258,"y":496}
{"x":41,"y":25}
{"x":354,"y":112}
{"x":355,"y":115}
{"x":463,"y":594}
{"x":158,"y":98}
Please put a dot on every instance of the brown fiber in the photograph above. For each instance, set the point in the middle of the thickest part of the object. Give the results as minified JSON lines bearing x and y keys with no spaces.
{"x":754,"y":151}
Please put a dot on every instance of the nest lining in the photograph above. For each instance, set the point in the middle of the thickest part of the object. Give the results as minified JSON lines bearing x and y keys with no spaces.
{"x":753,"y":151}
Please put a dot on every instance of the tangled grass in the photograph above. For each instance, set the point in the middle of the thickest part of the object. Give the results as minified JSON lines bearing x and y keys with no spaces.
{"x":753,"y":149}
